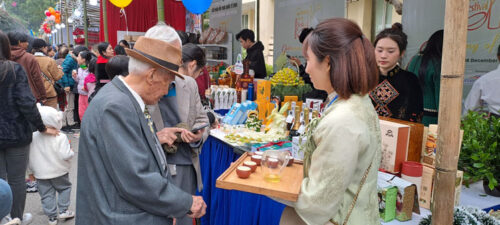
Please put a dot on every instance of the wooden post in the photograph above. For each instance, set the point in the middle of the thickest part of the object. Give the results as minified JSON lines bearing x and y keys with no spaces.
{"x":105,"y":20}
{"x":450,"y":107}
{"x":66,"y":6}
{"x":85,"y":24}
{"x":161,"y":11}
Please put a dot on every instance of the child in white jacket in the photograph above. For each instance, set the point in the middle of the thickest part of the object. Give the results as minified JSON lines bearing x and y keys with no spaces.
{"x":50,"y":162}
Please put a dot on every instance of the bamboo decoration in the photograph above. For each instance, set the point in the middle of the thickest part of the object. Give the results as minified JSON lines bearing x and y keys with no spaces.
{"x":450,"y":103}
{"x":66,"y":6}
{"x":160,"y":5}
{"x":85,"y":24}
{"x":105,"y":20}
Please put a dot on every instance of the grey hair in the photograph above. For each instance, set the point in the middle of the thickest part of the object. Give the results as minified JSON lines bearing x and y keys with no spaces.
{"x":136,"y":66}
{"x":163,"y":32}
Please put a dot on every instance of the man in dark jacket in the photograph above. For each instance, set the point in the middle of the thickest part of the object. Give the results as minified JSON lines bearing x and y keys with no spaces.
{"x":19,"y":43}
{"x":314,"y":93}
{"x":254,"y":49}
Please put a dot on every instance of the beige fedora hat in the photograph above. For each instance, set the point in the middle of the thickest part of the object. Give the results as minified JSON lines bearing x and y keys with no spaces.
{"x":157,"y":53}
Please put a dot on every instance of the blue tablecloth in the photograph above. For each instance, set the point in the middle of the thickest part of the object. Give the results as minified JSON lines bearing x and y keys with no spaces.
{"x":231,"y":207}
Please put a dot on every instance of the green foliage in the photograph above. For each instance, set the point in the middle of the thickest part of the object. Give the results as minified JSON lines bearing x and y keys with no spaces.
{"x":269,"y":69}
{"x":30,"y":12}
{"x":282,"y":91}
{"x":9,"y":23}
{"x":480,"y":155}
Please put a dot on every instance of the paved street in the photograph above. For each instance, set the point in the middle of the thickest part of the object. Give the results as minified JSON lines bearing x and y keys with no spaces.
{"x":33,"y":203}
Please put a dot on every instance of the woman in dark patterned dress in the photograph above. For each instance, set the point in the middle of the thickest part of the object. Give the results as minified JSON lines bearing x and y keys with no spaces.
{"x":398,"y":94}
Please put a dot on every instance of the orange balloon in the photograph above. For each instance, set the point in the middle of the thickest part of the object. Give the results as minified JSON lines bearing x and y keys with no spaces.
{"x":52,"y":11}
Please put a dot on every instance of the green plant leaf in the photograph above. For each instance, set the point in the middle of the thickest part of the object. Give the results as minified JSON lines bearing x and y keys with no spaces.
{"x":478,"y":165}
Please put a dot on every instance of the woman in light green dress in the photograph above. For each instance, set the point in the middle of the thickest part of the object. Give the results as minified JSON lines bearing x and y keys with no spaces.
{"x":342,"y":154}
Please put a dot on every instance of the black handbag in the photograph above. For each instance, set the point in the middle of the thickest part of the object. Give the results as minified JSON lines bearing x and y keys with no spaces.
{"x":59,"y":89}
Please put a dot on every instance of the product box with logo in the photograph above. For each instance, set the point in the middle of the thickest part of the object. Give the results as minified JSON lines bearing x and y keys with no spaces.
{"x":407,"y":197}
{"x":395,"y":139}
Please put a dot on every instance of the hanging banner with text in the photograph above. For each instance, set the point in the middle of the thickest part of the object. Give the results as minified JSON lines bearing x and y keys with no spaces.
{"x":421,"y":18}
{"x":291,"y":16}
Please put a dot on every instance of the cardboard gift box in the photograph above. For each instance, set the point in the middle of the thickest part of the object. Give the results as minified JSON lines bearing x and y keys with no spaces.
{"x":430,"y":146}
{"x":297,"y":141}
{"x":395,"y":139}
{"x":406,"y":198}
{"x":387,"y":194}
{"x":427,"y":188}
{"x":264,"y":90}
{"x":416,"y":138}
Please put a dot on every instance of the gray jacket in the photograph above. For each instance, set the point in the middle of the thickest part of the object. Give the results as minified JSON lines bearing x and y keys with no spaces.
{"x":191,"y":112}
{"x":120,"y":177}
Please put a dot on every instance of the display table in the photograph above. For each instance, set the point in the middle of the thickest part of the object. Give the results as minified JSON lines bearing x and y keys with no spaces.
{"x":235,"y":207}
{"x":231,"y":207}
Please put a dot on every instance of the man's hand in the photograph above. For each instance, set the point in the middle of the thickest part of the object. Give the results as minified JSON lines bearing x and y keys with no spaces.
{"x":74,"y":74}
{"x":59,"y":67}
{"x":67,"y":89}
{"x":296,"y":60}
{"x":198,"y":208}
{"x":167,"y":135}
{"x":51,"y":131}
{"x":189,"y":137}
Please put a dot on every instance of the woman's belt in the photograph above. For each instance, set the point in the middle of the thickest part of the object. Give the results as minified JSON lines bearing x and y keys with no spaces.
{"x":430,"y":112}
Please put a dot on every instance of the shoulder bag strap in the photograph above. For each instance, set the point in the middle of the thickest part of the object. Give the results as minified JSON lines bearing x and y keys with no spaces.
{"x":47,"y":78}
{"x":361,"y":183}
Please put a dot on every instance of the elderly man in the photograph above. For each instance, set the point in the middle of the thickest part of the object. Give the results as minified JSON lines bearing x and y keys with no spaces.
{"x":122,"y":170}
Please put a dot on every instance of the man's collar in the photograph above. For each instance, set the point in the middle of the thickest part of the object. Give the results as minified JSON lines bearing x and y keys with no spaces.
{"x":39,"y":54}
{"x":137,"y":97}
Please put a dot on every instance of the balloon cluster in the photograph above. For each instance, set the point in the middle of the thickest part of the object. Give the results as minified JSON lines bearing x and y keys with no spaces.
{"x":53,"y":15}
{"x":53,"y":18}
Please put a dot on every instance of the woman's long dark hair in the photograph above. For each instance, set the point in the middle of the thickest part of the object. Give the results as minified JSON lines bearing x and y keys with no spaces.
{"x":4,"y":55}
{"x":432,"y":52}
{"x":101,"y":48}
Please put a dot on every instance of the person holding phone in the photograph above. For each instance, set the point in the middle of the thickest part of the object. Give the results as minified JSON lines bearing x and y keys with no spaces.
{"x":181,"y":121}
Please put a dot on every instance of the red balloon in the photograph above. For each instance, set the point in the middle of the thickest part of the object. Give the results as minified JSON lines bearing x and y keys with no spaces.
{"x":58,"y":12}
{"x":47,"y":13}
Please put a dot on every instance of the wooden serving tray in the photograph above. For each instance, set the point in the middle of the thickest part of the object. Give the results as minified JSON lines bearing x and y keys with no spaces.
{"x":288,"y":188}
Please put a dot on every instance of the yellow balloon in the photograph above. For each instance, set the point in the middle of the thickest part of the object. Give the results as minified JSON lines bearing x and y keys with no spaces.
{"x":121,"y":3}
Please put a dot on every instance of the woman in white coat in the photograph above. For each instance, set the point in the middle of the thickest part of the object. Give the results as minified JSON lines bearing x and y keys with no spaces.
{"x":343,"y":150}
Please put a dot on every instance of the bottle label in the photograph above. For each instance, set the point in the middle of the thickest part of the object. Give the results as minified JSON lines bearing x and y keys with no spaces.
{"x":302,"y":128}
{"x":289,"y":118}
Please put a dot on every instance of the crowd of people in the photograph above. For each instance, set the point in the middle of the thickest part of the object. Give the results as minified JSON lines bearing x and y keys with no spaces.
{"x":141,"y":119}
